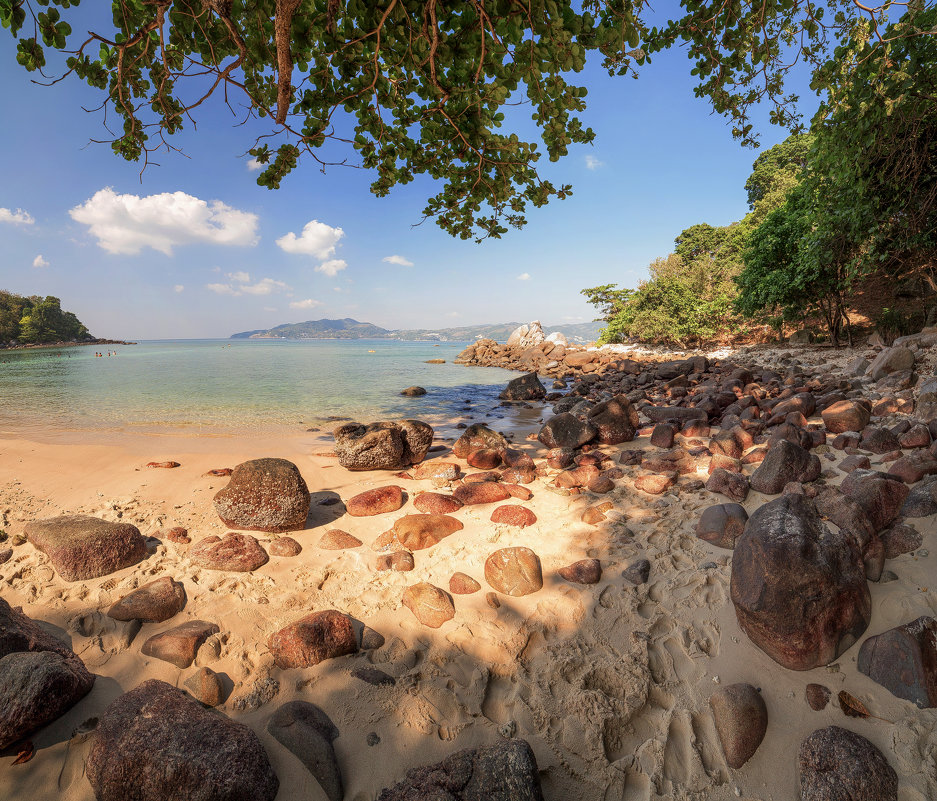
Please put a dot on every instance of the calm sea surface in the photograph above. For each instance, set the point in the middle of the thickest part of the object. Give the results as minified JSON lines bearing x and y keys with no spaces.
{"x":236,"y":385}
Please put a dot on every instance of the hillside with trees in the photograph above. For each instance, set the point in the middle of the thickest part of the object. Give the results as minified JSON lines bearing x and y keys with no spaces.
{"x":842,"y":221}
{"x":35,"y":320}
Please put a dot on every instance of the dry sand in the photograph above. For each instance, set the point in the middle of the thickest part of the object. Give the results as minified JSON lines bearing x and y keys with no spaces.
{"x":609,"y":683}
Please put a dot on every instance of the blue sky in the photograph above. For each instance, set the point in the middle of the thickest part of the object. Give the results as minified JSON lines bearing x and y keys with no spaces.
{"x":99,"y":237}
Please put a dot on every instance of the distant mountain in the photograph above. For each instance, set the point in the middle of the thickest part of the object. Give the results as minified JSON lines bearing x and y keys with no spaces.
{"x":352,"y":329}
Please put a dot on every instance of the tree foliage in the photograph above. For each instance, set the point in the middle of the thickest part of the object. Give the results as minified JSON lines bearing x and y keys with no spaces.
{"x":35,"y":320}
{"x":420,"y":87}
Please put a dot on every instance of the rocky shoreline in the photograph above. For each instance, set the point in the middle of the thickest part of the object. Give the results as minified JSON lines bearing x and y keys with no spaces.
{"x":692,"y":572}
{"x":70,"y":344}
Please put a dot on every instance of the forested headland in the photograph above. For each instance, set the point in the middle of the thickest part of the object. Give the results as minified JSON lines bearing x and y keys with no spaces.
{"x":36,"y":320}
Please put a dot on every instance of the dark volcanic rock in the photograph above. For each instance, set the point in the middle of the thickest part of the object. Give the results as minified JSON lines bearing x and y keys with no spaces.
{"x":152,"y":603}
{"x":180,"y":644}
{"x":615,"y":420}
{"x":880,"y":496}
{"x":904,"y":661}
{"x":799,"y":589}
{"x":585,"y":571}
{"x":878,"y":440}
{"x":382,"y":446}
{"x":638,"y":572}
{"x":241,"y":553}
{"x":783,"y":463}
{"x":901,"y":539}
{"x":921,"y":501}
{"x":503,"y":772}
{"x":526,"y":387}
{"x":378,"y":501}
{"x":413,"y":392}
{"x":264,"y":495}
{"x":514,"y":571}
{"x":82,"y":547}
{"x":664,"y":414}
{"x":313,"y":639}
{"x":839,"y":765}
{"x":155,"y":743}
{"x":741,"y":721}
{"x":566,"y":431}
{"x":307,"y":732}
{"x":722,"y":524}
{"x":733,"y":485}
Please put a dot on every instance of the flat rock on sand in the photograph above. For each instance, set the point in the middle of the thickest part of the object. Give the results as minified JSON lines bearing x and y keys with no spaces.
{"x":155,"y":743}
{"x":514,"y":571}
{"x":435,"y":503}
{"x":429,"y":604}
{"x":41,"y":678}
{"x":264,"y":495}
{"x":337,"y":540}
{"x":152,"y":603}
{"x":417,"y":532}
{"x":180,"y":644}
{"x":285,"y":546}
{"x":513,"y":514}
{"x":313,"y":639}
{"x":378,"y":501}
{"x":503,"y":772}
{"x":237,"y":552}
{"x":82,"y":547}
{"x":463,"y":584}
{"x":307,"y":732}
{"x":481,"y":492}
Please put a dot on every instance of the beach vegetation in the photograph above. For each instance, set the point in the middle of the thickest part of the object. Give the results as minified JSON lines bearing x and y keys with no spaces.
{"x":36,"y":320}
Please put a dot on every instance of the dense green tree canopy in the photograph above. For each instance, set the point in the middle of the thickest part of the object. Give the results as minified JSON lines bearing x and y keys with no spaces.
{"x":410,"y":87}
{"x":34,"y":320}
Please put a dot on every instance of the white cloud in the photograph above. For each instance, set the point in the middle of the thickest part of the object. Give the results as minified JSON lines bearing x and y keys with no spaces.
{"x":592,"y":163}
{"x":241,"y":277}
{"x":178,"y":288}
{"x":128,"y":223}
{"x":216,"y":269}
{"x":40,"y":262}
{"x":331,"y":267}
{"x":253,"y":165}
{"x":317,"y":239}
{"x":398,"y":260}
{"x":266,"y":286}
{"x":308,"y":303}
{"x":453,"y":314}
{"x":18,"y":217}
{"x":523,"y":277}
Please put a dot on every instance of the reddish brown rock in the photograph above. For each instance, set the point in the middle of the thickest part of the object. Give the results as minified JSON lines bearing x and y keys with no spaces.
{"x":378,"y":501}
{"x":429,"y":604}
{"x":733,"y":485}
{"x":904,"y":661}
{"x":517,"y":459}
{"x":434,"y":503}
{"x":399,"y":561}
{"x":155,"y":742}
{"x":482,"y":477}
{"x":855,"y":462}
{"x":913,"y":467}
{"x":721,"y":461}
{"x":479,"y":493}
{"x":754,"y":457}
{"x":663,"y":435}
{"x":491,"y":598}
{"x":220,"y":472}
{"x":382,"y":446}
{"x":416,"y":532}
{"x":178,"y":535}
{"x":585,"y":571}
{"x":238,"y":552}
{"x":917,"y":436}
{"x":285,"y":546}
{"x":519,"y":475}
{"x":82,"y":547}
{"x":655,"y":484}
{"x":206,"y":687}
{"x":879,"y":495}
{"x":444,"y":471}
{"x":817,"y":696}
{"x":519,"y":492}
{"x":180,"y":644}
{"x":513,"y":515}
{"x":566,"y":431}
{"x":879,"y":440}
{"x":152,"y":603}
{"x":596,"y":514}
{"x":337,"y":540}
{"x":799,"y":588}
{"x":477,"y":437}
{"x":578,"y":477}
{"x":462,"y":584}
{"x":163,"y":465}
{"x":600,"y":484}
{"x":783,"y":463}
{"x":264,"y":495}
{"x":900,"y":539}
{"x":561,"y":458}
{"x":615,"y":420}
{"x":845,"y":416}
{"x":741,"y":719}
{"x":484,"y":459}
{"x":722,"y":524}
{"x":514,"y":571}
{"x":313,"y":639}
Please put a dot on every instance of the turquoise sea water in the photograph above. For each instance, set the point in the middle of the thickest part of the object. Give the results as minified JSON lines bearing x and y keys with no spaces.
{"x":236,"y":385}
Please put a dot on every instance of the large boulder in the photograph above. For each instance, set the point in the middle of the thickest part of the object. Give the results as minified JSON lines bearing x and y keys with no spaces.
{"x":477,"y":437}
{"x":890,"y":360}
{"x":240,"y":553}
{"x":377,"y":501}
{"x":503,"y":772}
{"x":264,"y":495}
{"x":41,"y":678}
{"x":526,"y":336}
{"x":722,"y":524}
{"x":844,"y":416}
{"x":152,"y":603}
{"x":565,"y":430}
{"x":839,"y":765}
{"x":879,"y":495}
{"x":82,"y":547}
{"x":798,"y":587}
{"x":616,"y":420}
{"x":313,"y":639}
{"x":382,"y":446}
{"x":180,"y":644}
{"x":154,"y":743}
{"x":527,"y":387}
{"x":784,"y":462}
{"x":904,"y":661}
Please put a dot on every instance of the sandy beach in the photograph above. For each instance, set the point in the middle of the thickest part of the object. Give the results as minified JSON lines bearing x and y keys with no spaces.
{"x":609,"y":683}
